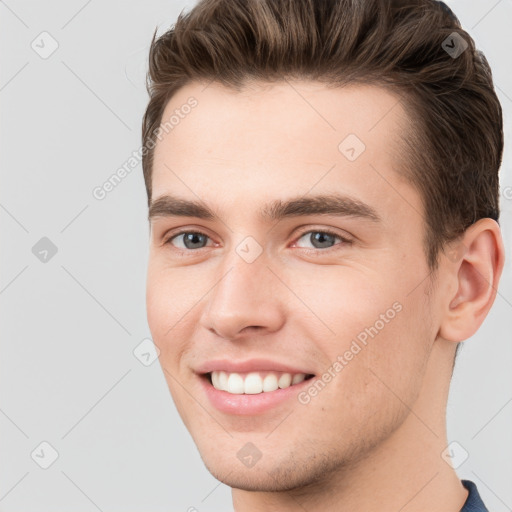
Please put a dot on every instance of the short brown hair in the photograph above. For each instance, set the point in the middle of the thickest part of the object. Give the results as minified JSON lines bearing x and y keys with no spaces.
{"x":453,"y":151}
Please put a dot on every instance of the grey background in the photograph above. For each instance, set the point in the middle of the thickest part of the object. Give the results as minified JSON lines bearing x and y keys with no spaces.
{"x":68,"y":375}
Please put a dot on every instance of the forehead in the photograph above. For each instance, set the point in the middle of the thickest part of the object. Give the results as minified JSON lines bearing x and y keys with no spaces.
{"x":289,"y":137}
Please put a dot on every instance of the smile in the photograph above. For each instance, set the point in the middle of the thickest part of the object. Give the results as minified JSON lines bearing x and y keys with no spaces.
{"x":253,"y":383}
{"x":252,"y":393}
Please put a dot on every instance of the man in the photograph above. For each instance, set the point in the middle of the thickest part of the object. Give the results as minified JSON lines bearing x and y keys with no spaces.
{"x":322,"y":180}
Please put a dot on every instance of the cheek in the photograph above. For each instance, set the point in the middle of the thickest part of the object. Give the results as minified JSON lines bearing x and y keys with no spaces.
{"x":169,"y":301}
{"x":170,"y":292}
{"x":379,"y":330}
{"x":346,"y":300}
{"x":165,"y":308}
{"x":158,"y":307}
{"x":397,"y":353}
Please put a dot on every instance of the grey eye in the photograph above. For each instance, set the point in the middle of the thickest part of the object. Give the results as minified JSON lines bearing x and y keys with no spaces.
{"x":191,"y":240}
{"x":320,"y":239}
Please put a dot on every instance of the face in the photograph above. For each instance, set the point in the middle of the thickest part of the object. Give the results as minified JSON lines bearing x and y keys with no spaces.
{"x":304,"y":316}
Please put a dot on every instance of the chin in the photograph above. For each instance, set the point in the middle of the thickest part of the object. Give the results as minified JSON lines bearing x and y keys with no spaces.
{"x":278,"y":472}
{"x":253,"y":479}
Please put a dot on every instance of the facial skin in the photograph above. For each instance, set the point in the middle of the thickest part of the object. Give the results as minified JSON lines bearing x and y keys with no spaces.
{"x":373,"y":436}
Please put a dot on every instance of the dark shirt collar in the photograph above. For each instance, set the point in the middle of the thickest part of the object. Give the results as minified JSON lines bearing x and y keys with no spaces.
{"x":473,"y":502}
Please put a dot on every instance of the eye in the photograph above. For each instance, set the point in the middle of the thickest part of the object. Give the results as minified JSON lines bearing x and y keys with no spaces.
{"x":191,"y":240}
{"x":194,"y":240}
{"x":322,"y":239}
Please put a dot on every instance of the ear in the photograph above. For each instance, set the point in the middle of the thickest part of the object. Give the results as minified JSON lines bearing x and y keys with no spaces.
{"x":475,"y":264}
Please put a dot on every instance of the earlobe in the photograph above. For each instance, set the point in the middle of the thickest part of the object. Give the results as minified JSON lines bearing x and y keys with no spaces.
{"x":475,"y":263}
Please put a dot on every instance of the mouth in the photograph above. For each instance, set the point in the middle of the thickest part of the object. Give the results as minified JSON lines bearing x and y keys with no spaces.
{"x":252,"y":393}
{"x":253,"y":383}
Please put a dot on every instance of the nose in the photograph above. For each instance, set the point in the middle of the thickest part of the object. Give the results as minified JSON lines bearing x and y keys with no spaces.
{"x":247,"y":298}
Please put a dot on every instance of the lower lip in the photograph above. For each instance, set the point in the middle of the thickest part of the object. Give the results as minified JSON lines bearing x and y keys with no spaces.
{"x":250,"y":404}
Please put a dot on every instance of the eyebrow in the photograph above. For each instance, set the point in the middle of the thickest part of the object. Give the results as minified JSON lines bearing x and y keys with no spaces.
{"x":328,"y":204}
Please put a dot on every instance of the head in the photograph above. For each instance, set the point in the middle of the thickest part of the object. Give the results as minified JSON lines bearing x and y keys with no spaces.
{"x":374,"y":124}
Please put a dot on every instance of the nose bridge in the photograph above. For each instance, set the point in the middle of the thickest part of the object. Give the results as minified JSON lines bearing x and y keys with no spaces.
{"x":245,"y":294}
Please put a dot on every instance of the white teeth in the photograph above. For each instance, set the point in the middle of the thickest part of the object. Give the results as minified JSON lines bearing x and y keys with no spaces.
{"x":215,"y":380}
{"x":285,"y":380}
{"x":299,"y":377}
{"x":270,"y":383}
{"x":235,"y":384}
{"x":253,"y":383}
{"x":223,"y":380}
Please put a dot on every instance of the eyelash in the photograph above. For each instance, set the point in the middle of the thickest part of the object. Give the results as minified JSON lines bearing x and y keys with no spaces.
{"x":345,"y":241}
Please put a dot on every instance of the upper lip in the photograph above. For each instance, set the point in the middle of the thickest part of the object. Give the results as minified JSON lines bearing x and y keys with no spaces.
{"x":249,"y":365}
